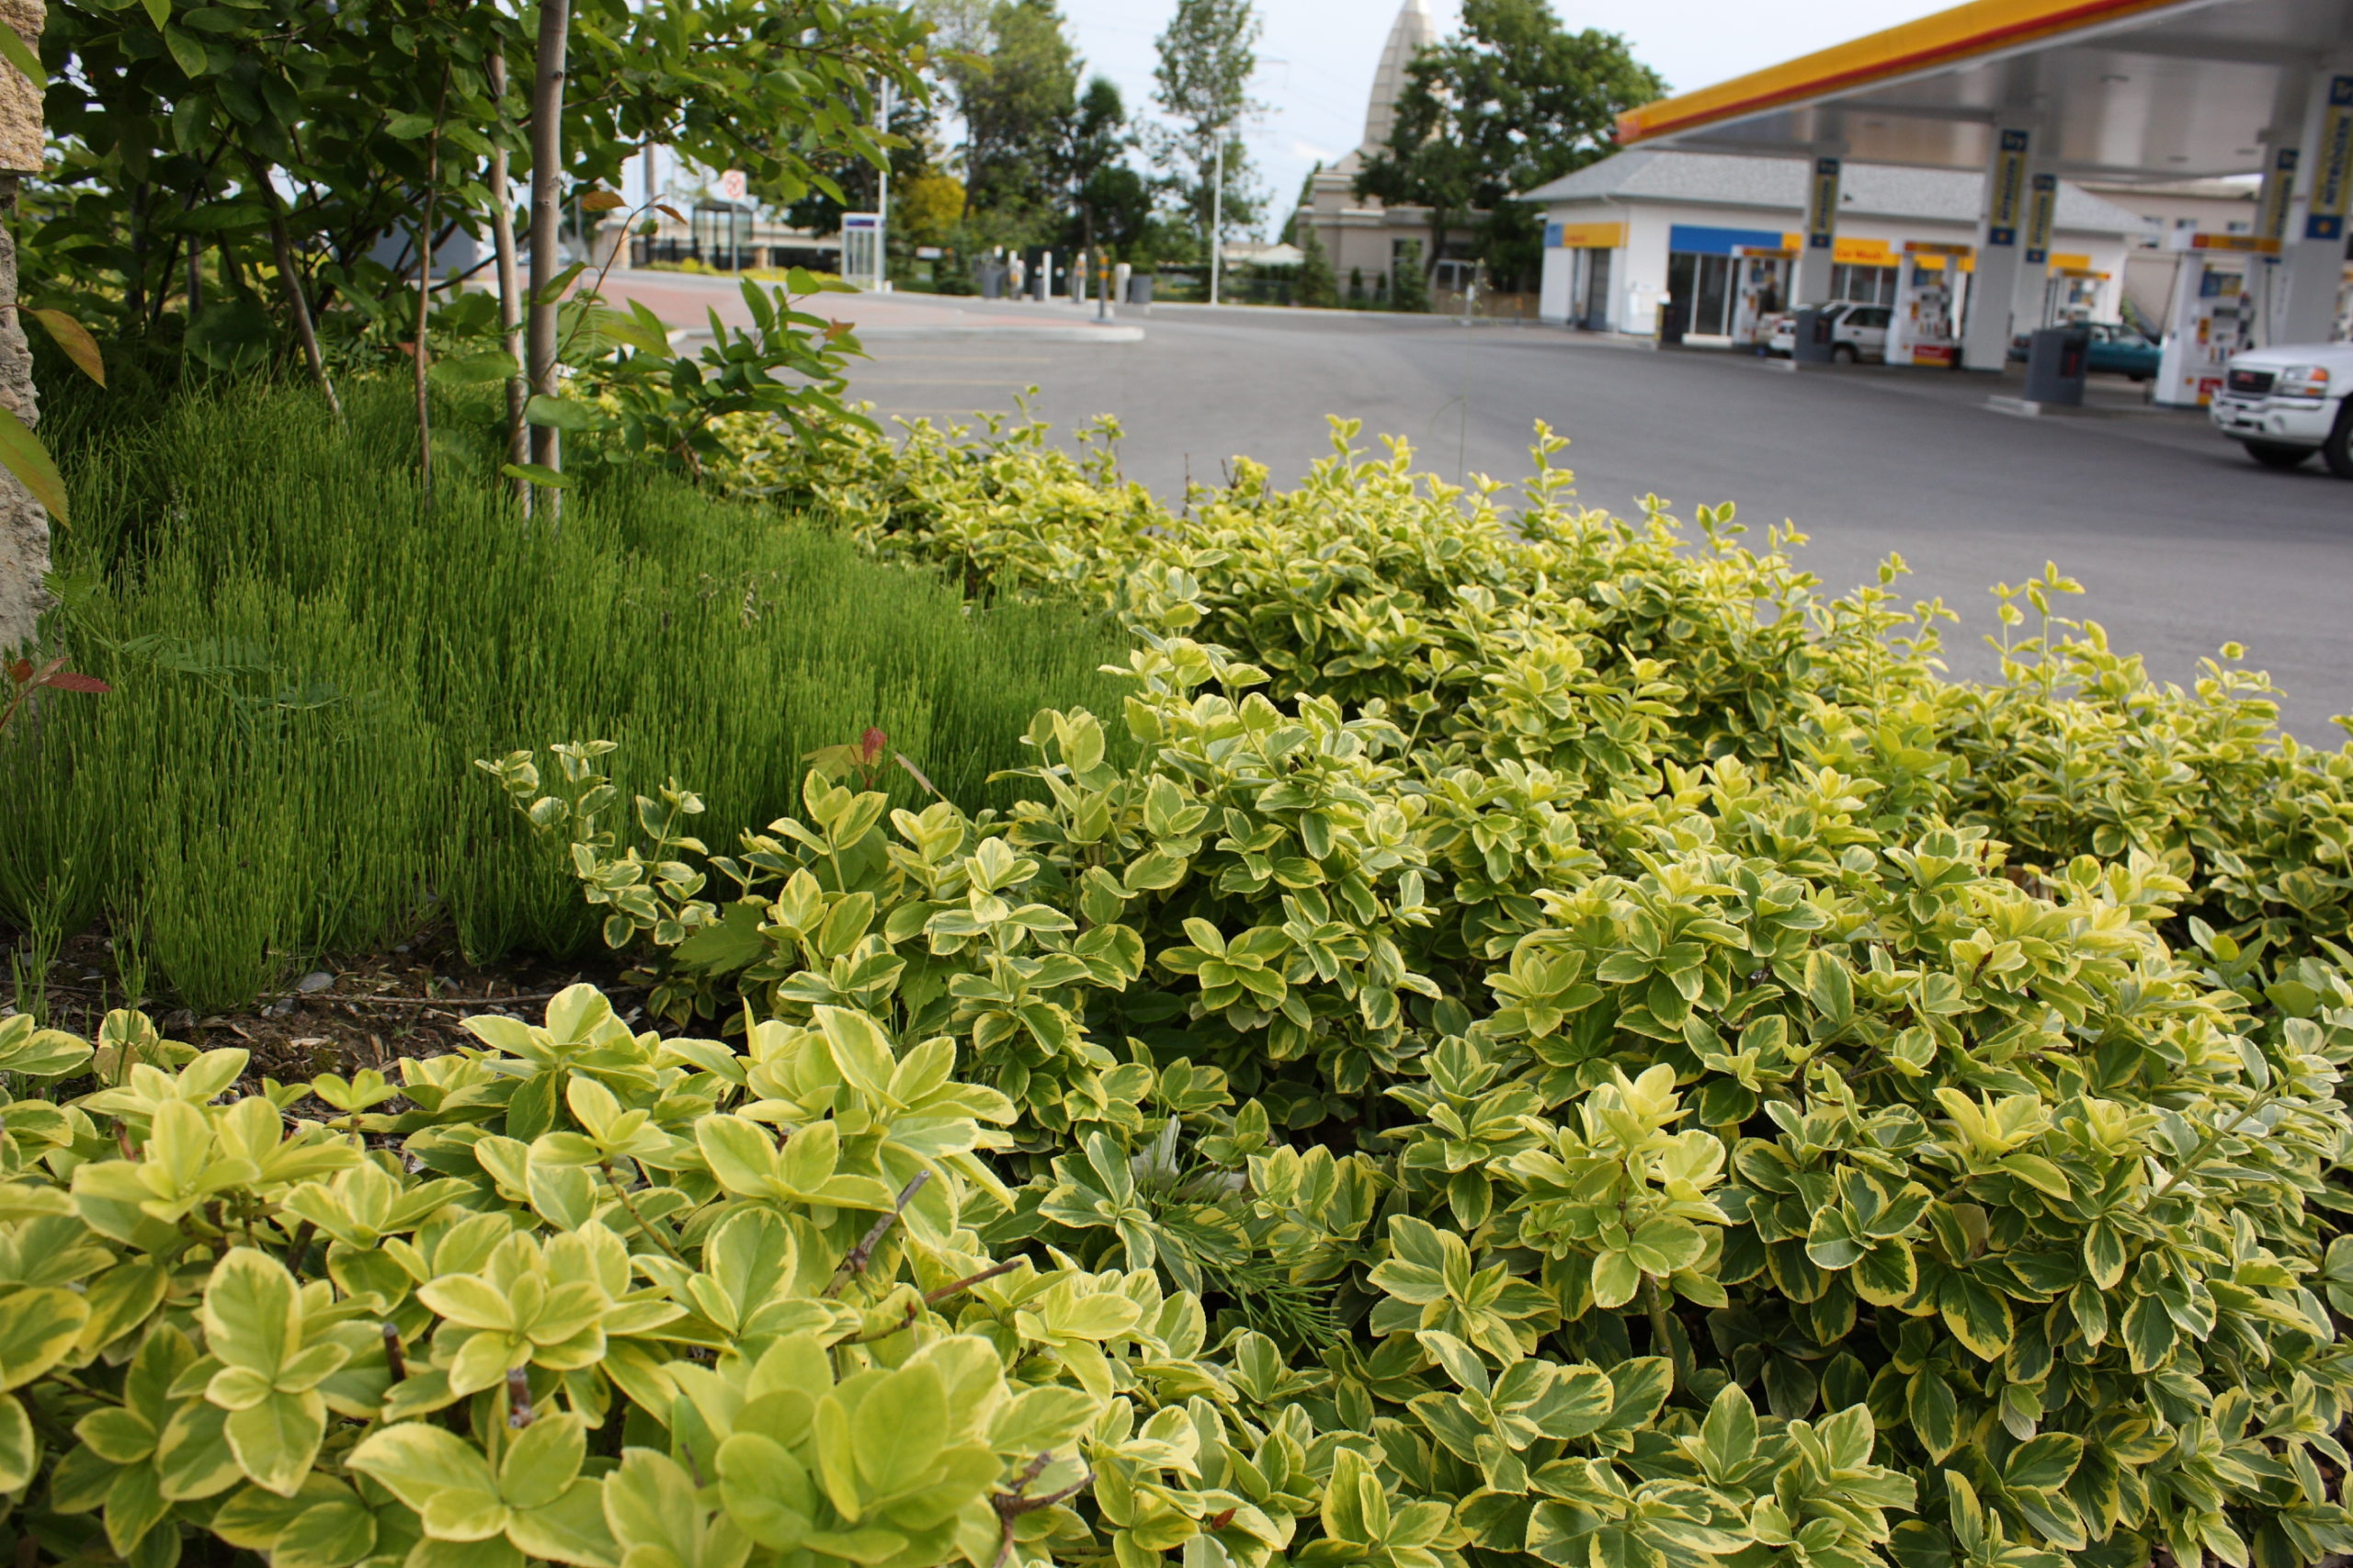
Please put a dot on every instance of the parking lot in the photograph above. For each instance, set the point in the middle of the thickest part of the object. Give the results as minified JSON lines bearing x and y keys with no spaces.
{"x":2180,"y":540}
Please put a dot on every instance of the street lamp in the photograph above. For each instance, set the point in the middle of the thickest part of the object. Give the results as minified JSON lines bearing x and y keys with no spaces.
{"x":1217,"y":217}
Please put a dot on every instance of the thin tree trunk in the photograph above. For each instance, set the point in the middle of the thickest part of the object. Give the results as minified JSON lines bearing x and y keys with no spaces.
{"x":510,"y":289}
{"x":195,"y":252}
{"x":289,"y":283}
{"x":134,"y":291}
{"x":547,"y":195}
{"x":425,"y":297}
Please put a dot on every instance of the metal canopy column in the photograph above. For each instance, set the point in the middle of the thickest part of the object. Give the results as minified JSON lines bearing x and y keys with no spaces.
{"x":1819,"y":250}
{"x":1985,"y":342}
{"x":2311,"y":259}
{"x":2031,"y":302}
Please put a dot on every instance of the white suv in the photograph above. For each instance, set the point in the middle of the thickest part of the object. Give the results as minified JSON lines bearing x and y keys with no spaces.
{"x":1857,"y":332}
{"x":2284,"y":404}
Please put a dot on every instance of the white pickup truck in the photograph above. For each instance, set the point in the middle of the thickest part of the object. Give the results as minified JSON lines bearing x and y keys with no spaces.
{"x":2284,"y":404}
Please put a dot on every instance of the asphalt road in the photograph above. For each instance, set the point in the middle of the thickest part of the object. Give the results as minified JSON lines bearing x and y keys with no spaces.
{"x":2181,"y":542}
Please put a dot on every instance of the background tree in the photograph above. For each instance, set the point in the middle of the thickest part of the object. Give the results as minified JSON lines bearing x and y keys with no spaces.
{"x":929,"y":206}
{"x":1511,"y":100}
{"x":914,"y":152}
{"x":1207,"y":57}
{"x":1018,"y":101}
{"x":1106,"y":200}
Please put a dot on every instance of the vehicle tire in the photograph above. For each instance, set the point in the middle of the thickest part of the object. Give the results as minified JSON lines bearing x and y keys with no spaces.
{"x":2272,"y":454}
{"x":2338,"y":450}
{"x":1842,"y":353}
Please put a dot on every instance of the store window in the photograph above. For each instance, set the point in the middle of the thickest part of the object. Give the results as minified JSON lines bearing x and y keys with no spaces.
{"x":1866,"y":285}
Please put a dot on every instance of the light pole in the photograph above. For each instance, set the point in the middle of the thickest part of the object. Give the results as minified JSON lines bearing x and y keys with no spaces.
{"x":1217,"y":218}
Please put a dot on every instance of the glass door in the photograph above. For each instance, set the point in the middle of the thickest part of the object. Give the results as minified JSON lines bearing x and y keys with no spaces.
{"x":1595,"y":309}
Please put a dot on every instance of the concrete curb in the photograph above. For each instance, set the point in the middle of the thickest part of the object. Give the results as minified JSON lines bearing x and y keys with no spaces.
{"x":1115,"y":333}
{"x":901,"y":334}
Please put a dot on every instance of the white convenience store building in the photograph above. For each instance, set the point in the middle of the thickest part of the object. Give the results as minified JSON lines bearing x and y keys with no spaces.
{"x":1719,"y":233}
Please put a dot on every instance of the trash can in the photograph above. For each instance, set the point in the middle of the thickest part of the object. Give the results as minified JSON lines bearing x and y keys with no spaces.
{"x":1674,"y":320}
{"x":1811,"y":337}
{"x":2057,"y":359}
{"x":992,"y":277}
{"x":1139,"y":289}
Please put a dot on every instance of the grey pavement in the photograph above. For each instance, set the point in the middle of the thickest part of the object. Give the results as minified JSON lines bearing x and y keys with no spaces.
{"x":2180,"y":540}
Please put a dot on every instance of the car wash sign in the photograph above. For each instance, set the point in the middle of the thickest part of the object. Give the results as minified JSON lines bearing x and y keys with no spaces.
{"x":2333,"y":165}
{"x":1821,"y":206}
{"x":2010,"y":191}
{"x":2041,"y":209}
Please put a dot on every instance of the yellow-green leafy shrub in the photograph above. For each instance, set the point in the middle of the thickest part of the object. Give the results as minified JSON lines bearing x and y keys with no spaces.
{"x":589,"y":1296}
{"x":1531,"y":952}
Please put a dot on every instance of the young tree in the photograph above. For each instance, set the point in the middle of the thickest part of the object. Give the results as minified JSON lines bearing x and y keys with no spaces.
{"x":1289,"y":234}
{"x":1411,"y":288}
{"x":1318,"y":285}
{"x":547,"y":196}
{"x":301,"y":137}
{"x":1207,"y":56}
{"x":1511,"y":100}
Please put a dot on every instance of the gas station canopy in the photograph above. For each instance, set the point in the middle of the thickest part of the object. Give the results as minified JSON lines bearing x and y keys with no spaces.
{"x":2123,"y":89}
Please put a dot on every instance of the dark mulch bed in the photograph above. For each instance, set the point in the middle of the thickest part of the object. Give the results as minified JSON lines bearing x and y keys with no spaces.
{"x":339,"y":1014}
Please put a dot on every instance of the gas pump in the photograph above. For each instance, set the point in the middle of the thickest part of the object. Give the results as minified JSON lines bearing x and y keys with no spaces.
{"x":1763,"y":293}
{"x":2071,"y":295}
{"x":1922,"y":330}
{"x":2209,"y":319}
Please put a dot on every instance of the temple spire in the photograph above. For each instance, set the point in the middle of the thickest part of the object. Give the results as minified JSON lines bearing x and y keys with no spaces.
{"x":1407,"y":36}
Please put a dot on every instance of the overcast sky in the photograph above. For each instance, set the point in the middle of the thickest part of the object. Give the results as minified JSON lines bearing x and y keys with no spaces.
{"x":1317,"y":56}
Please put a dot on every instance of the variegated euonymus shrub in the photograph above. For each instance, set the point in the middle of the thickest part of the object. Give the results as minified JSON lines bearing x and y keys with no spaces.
{"x":589,"y":1296}
{"x":1629,"y":1061}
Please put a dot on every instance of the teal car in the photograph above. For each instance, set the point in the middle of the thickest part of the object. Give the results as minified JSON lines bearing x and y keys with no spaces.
{"x":2116,"y":350}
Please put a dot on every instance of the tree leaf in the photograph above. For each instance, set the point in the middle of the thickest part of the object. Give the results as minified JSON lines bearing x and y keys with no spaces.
{"x":602,"y":202}
{"x":477,"y":368}
{"x":555,"y":285}
{"x":562,"y":413}
{"x":70,"y":335}
{"x":22,"y":454}
{"x":540,"y":474}
{"x":17,"y":52}
{"x":187,"y":52}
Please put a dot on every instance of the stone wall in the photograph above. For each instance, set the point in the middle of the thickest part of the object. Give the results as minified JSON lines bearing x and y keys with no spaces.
{"x":23,"y":525}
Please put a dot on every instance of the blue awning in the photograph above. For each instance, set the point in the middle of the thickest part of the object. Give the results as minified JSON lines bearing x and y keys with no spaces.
{"x":1698,"y":239}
